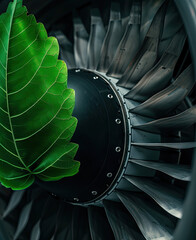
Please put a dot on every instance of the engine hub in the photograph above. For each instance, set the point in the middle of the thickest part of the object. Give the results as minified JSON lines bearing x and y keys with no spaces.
{"x":102,"y":135}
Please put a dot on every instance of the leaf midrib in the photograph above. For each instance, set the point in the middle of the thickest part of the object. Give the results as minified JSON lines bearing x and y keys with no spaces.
{"x":6,"y":85}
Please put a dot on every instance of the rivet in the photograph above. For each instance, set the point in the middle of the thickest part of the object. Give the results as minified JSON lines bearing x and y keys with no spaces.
{"x":76,"y":199}
{"x":109,"y":175}
{"x":110,"y":96}
{"x":118,"y":121}
{"x":77,"y":70}
{"x":117,"y":149}
{"x":95,"y":77}
{"x":94,"y":193}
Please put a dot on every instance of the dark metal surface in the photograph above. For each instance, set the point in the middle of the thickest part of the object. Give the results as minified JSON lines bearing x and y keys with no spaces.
{"x":187,"y":226}
{"x":169,"y":98}
{"x":151,"y":223}
{"x":168,"y":197}
{"x":99,"y":226}
{"x":171,"y":124}
{"x":126,"y":50}
{"x":100,"y":134}
{"x":147,"y":55}
{"x":121,"y":222}
{"x":181,"y":172}
{"x":97,"y":35}
{"x":80,"y":42}
{"x":112,"y":38}
{"x":160,"y":75}
{"x":80,"y":226}
{"x":162,"y":146}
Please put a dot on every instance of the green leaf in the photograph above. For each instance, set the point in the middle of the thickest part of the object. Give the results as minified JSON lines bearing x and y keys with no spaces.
{"x":36,"y":123}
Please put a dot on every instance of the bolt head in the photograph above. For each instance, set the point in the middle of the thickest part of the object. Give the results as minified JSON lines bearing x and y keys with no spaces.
{"x":110,"y":96}
{"x":118,"y":149}
{"x":94,"y":193}
{"x":118,"y":121}
{"x":109,"y":175}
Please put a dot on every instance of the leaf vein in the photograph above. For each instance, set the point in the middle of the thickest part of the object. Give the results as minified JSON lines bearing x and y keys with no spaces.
{"x":33,"y":75}
{"x":19,"y":114}
{"x":3,"y":89}
{"x":59,"y":137}
{"x":19,"y":68}
{"x":2,"y":160}
{"x":3,"y":46}
{"x":2,"y":65}
{"x":5,"y":127}
{"x":13,"y":178}
{"x":7,"y":103}
{"x":25,"y":138}
{"x":3,"y":110}
{"x":8,"y":151}
{"x":11,"y":38}
{"x":26,"y":47}
{"x":5,"y":27}
{"x":55,"y":161}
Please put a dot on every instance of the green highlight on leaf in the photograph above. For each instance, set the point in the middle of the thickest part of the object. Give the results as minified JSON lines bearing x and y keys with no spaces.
{"x":36,"y":123}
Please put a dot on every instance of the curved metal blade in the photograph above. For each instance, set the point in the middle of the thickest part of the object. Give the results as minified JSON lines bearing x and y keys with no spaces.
{"x":48,"y":217}
{"x":181,"y":172}
{"x":6,"y":230}
{"x":33,"y":228}
{"x":171,"y":124}
{"x":64,"y":223}
{"x":152,"y":224}
{"x":99,"y":225}
{"x":15,"y":199}
{"x":121,"y":222}
{"x":35,"y":234}
{"x":43,"y":213}
{"x":169,"y":98}
{"x":97,"y":34}
{"x":23,"y":219}
{"x":112,"y":38}
{"x":147,"y":55}
{"x":162,"y":146}
{"x":173,"y":23}
{"x":169,"y":198}
{"x":125,"y":8}
{"x":2,"y":207}
{"x":160,"y":75}
{"x":80,"y":230}
{"x":129,"y":45}
{"x":149,"y":10}
{"x":80,"y":43}
{"x":66,"y":49}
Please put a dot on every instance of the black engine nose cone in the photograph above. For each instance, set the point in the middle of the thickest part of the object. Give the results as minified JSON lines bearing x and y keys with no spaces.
{"x":101,"y":135}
